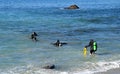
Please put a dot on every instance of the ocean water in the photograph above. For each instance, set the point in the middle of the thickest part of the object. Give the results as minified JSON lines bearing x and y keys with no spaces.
{"x":96,"y":19}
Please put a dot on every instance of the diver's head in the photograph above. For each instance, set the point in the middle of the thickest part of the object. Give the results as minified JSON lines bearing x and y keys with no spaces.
{"x":91,"y":40}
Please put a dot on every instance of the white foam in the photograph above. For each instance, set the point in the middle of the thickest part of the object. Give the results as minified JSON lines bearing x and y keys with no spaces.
{"x":90,"y":69}
{"x":100,"y":67}
{"x":108,"y":65}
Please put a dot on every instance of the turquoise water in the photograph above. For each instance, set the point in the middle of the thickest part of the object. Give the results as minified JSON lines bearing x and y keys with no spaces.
{"x":96,"y":20}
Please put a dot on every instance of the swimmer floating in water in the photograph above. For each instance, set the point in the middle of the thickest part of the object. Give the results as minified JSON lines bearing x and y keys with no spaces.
{"x":58,"y":43}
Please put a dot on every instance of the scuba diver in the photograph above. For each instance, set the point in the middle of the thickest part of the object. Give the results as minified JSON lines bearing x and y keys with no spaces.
{"x":93,"y":46}
{"x":33,"y":36}
{"x":58,"y":43}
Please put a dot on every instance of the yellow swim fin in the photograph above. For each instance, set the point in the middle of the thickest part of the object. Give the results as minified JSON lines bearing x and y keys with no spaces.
{"x":85,"y":51}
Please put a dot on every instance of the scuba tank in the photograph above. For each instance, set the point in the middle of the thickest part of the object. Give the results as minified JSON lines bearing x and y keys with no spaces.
{"x":94,"y":46}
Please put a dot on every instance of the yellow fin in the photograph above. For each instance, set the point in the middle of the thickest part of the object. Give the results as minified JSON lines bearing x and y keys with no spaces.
{"x":85,"y":51}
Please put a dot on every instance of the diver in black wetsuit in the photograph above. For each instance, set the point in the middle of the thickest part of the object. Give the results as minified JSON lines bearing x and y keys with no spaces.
{"x":92,"y":45}
{"x":57,"y":43}
{"x":33,"y":36}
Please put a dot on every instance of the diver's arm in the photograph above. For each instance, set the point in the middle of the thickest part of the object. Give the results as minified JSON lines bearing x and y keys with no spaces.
{"x":88,"y":44}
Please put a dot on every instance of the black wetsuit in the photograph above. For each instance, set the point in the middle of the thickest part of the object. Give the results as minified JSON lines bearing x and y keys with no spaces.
{"x":58,"y":43}
{"x":33,"y":36}
{"x":93,"y":46}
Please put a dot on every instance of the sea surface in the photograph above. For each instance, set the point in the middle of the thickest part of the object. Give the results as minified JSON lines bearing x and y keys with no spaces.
{"x":96,"y":19}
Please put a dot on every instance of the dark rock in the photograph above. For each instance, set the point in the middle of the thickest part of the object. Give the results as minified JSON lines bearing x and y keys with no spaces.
{"x":72,"y":7}
{"x":49,"y":67}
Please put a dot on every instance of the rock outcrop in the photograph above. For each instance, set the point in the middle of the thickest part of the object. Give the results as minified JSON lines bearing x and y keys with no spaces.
{"x":72,"y":7}
{"x":49,"y":67}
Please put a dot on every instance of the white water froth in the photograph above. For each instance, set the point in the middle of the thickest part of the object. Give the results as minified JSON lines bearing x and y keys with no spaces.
{"x":100,"y":67}
{"x":92,"y":68}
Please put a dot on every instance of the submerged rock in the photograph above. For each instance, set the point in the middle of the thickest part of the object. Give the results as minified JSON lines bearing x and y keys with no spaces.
{"x":49,"y":67}
{"x":72,"y":7}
